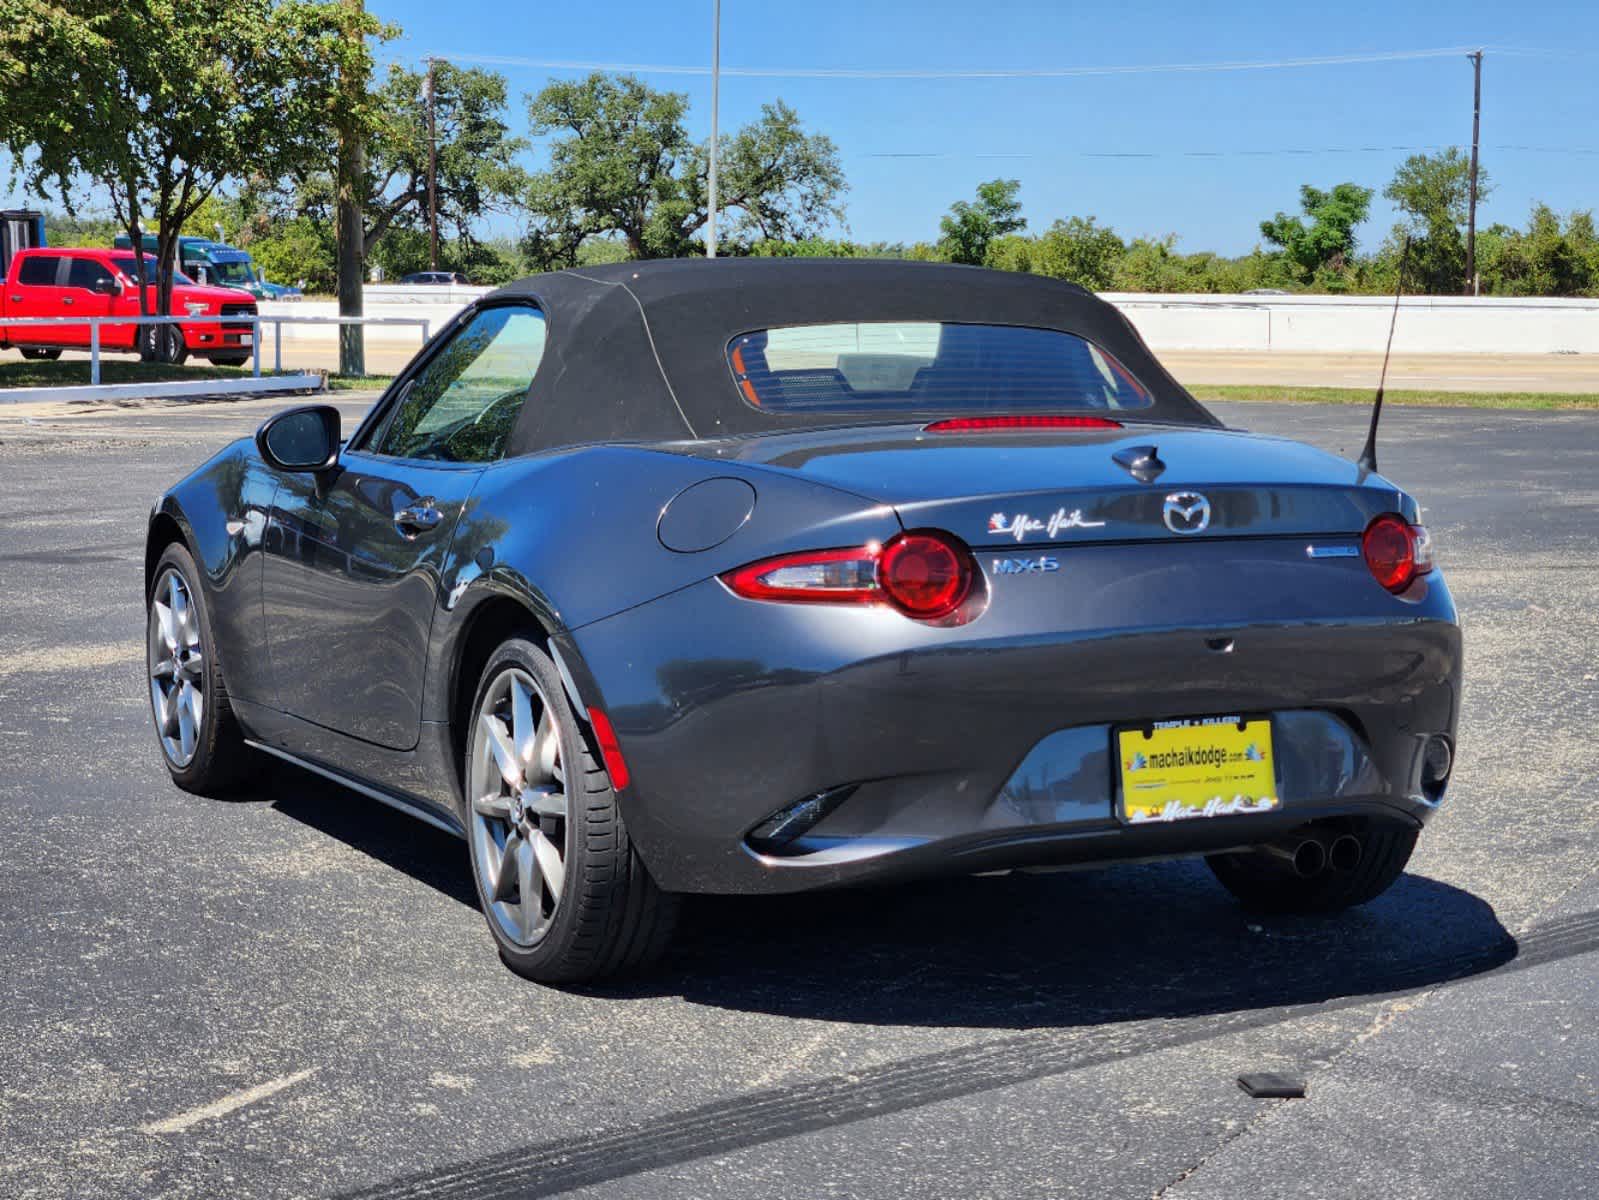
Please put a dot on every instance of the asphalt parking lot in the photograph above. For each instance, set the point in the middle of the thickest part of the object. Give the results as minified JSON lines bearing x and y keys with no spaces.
{"x":292,"y":995}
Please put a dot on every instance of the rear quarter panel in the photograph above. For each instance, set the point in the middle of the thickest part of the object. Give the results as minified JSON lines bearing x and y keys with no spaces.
{"x":573,"y":535}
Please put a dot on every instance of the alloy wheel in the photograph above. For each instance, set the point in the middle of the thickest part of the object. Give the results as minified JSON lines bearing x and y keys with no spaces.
{"x":520,"y":813}
{"x":177,"y":668}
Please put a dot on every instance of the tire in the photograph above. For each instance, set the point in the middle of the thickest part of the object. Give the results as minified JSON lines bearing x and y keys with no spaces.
{"x":604,"y":916}
{"x":1272,"y":887}
{"x":229,"y":360}
{"x":163,"y":344}
{"x":174,"y":348}
{"x":41,"y":353}
{"x":205,"y":756}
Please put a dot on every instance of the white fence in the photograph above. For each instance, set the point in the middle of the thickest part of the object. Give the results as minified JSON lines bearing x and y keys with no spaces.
{"x":295,"y":320}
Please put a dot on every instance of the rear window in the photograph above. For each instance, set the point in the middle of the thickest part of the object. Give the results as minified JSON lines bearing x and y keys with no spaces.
{"x":38,"y":270}
{"x":927,"y":366}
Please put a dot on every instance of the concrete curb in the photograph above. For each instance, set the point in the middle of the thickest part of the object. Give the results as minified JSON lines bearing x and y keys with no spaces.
{"x":176,"y":390}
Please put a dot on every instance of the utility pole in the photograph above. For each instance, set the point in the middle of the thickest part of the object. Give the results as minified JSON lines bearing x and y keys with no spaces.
{"x":716,"y":103}
{"x":1471,"y":211}
{"x":348,"y":218}
{"x":433,"y":173}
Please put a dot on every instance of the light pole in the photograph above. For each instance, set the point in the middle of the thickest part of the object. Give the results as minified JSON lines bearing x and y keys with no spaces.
{"x":1471,"y":211}
{"x":716,"y":103}
{"x":433,"y":174}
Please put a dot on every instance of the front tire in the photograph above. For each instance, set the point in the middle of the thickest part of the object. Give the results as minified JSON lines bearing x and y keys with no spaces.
{"x":201,"y":742}
{"x":1269,"y":886}
{"x":163,"y":344}
{"x":229,"y":360}
{"x":565,"y":894}
{"x":41,"y":353}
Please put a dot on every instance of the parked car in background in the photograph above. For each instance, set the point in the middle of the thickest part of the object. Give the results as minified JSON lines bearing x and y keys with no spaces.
{"x":219,"y":264}
{"x":103,"y":283}
{"x":438,"y":277}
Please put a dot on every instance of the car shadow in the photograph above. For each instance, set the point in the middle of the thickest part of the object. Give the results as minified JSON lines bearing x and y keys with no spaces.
{"x":1018,"y":951}
{"x":428,"y":855}
{"x":1025,"y":951}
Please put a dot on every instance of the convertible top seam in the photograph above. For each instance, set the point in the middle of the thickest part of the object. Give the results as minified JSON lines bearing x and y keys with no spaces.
{"x":650,"y":335}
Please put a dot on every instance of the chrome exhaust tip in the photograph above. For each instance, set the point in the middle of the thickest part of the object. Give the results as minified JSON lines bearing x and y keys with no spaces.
{"x":1345,"y":852}
{"x":1305,"y":856}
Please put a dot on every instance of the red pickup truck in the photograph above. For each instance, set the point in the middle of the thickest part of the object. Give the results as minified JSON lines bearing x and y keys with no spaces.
{"x":102,"y":283}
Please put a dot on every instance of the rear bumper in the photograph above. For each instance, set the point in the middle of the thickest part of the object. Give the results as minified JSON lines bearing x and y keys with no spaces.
{"x":989,"y":746}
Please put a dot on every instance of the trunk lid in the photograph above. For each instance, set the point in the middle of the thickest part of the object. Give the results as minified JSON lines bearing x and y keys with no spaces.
{"x":1031,"y":489}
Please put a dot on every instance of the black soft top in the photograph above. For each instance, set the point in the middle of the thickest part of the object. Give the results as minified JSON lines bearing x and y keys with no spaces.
{"x":638,"y":351}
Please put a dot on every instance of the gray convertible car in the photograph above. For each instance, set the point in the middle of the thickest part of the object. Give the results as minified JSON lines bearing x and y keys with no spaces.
{"x":751,"y":576}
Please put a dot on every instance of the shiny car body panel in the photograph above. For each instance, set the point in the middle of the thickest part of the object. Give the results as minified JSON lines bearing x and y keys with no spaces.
{"x":963,"y":745}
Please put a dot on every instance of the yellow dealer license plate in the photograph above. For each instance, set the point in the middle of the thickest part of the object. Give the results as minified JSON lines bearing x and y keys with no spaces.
{"x":1204,"y":767}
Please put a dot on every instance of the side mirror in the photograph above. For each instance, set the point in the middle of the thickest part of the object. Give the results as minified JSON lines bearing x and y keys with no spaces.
{"x":301,"y":439}
{"x":106,"y":286}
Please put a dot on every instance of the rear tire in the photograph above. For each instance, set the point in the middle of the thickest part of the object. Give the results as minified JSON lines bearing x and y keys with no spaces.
{"x":204,"y":754}
{"x":41,"y":353}
{"x":1272,"y":887}
{"x":565,"y":894}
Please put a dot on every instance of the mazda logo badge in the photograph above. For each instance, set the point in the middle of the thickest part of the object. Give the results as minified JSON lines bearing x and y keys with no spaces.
{"x":1186,"y":512}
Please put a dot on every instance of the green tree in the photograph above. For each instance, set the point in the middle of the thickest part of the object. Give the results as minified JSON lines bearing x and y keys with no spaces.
{"x":622,"y":162}
{"x":1433,"y":192}
{"x":477,"y":169}
{"x":158,"y":102}
{"x":779,"y":182}
{"x":80,"y":229}
{"x":296,"y":250}
{"x":815,"y":247}
{"x":1080,"y":251}
{"x":1327,"y":243}
{"x":1549,"y":258}
{"x":964,"y":235}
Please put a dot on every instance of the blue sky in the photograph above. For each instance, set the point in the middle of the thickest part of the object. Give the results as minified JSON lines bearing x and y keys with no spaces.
{"x":1052,"y":125}
{"x":1226,"y":149}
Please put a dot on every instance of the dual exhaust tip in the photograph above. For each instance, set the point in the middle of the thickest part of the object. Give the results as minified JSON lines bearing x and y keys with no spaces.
{"x":1309,"y":856}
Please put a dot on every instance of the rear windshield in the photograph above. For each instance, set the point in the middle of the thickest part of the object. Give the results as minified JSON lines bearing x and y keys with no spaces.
{"x":927,"y":366}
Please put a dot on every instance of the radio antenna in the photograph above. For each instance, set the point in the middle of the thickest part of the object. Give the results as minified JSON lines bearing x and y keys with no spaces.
{"x":1368,"y":456}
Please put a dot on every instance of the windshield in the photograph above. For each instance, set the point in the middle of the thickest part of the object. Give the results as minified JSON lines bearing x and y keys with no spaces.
{"x":927,"y":366}
{"x":231,"y":272}
{"x":124,"y":263}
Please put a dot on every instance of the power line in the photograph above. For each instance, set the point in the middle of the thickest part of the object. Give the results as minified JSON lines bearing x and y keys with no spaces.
{"x":1331,"y":60}
{"x":1284,"y":151}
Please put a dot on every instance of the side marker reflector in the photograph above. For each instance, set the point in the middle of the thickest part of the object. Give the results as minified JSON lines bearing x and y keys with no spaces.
{"x":610,"y":748}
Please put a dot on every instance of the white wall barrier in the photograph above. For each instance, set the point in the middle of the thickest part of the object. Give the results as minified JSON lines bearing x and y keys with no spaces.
{"x":1334,"y":324}
{"x":434,"y":312}
{"x":1304,"y":324}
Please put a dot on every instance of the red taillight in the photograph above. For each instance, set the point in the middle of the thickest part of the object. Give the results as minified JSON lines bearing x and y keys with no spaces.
{"x":610,"y":749}
{"x":1396,"y":551}
{"x":926,"y":575}
{"x":1033,"y":421}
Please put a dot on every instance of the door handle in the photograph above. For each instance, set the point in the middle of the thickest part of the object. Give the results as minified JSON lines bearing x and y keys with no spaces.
{"x":66,"y":299}
{"x":16,"y":299}
{"x":417,"y":518}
